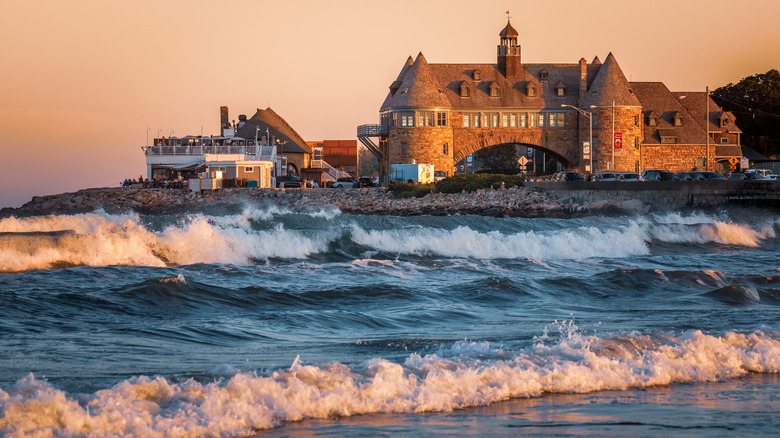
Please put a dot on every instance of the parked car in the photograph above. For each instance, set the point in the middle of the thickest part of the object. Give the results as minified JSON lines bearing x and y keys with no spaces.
{"x":288,"y":181}
{"x":363,"y":181}
{"x":762,"y":172}
{"x":657,"y":175}
{"x":604,"y":176}
{"x":628,"y":176}
{"x":706,"y":175}
{"x":743,"y":176}
{"x":569,"y":176}
{"x":343,"y":183}
{"x":439,"y":175}
{"x":684,"y":176}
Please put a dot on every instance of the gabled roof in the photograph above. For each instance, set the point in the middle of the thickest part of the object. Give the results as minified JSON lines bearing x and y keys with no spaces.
{"x":695,"y":103}
{"x":655,"y":98}
{"x":610,"y":85}
{"x":277,"y":127}
{"x":419,"y":88}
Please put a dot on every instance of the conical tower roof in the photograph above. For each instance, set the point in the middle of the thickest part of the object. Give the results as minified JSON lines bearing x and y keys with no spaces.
{"x":508,"y":31}
{"x":419,"y":88}
{"x":610,"y":85}
{"x":396,"y":84}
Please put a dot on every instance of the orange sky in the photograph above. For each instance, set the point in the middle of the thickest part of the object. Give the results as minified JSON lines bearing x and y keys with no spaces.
{"x":83,"y":81}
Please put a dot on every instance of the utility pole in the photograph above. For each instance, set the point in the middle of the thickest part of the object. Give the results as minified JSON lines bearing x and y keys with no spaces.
{"x":707,"y":127}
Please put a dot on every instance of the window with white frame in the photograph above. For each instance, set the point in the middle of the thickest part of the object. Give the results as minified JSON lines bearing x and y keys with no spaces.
{"x":513,"y":120}
{"x":425,"y":118}
{"x":441,"y":119}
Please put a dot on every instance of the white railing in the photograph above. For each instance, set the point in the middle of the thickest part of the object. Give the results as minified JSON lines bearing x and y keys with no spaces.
{"x":208,"y":149}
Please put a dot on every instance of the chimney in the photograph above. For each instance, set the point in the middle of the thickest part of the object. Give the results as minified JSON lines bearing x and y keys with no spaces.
{"x":583,"y":79}
{"x":224,"y":120}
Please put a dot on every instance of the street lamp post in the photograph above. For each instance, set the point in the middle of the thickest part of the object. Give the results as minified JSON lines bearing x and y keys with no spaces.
{"x":589,"y":115}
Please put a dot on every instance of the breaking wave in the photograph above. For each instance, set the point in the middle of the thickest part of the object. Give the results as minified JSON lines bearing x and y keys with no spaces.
{"x":99,"y":239}
{"x":237,"y":403}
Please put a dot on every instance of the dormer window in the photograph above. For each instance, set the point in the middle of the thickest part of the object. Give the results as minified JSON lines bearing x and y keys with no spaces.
{"x":678,"y":121}
{"x":494,"y":90}
{"x":477,"y":75}
{"x":464,"y":90}
{"x":652,"y":119}
{"x":543,"y":75}
{"x":531,"y":91}
{"x":560,"y":90}
{"x":724,"y":122}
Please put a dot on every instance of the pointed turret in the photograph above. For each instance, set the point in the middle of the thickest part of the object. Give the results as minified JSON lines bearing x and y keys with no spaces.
{"x":419,"y":88}
{"x":397,"y":83}
{"x":610,"y":86}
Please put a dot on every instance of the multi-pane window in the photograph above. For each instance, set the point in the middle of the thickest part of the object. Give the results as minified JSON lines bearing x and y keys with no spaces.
{"x":513,"y":120}
{"x":540,"y":121}
{"x":523,"y":120}
{"x":407,"y":119}
{"x":532,"y":120}
{"x":561,"y":91}
{"x":555,"y":120}
{"x":425,"y":118}
{"x":504,"y":120}
{"x":395,"y":119}
{"x":404,"y":148}
{"x":471,"y":120}
{"x":441,"y":119}
{"x":444,"y":148}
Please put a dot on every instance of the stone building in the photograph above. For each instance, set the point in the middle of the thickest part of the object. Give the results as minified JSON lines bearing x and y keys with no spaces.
{"x":440,"y":113}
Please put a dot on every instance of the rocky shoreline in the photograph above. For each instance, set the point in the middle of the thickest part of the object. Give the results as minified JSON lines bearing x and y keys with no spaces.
{"x":512,"y":202}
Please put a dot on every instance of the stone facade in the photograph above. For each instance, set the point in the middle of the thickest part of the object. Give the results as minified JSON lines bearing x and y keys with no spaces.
{"x":440,"y":113}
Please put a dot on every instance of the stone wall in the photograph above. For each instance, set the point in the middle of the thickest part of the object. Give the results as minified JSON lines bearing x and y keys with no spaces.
{"x":626,"y":158}
{"x":673,"y":157}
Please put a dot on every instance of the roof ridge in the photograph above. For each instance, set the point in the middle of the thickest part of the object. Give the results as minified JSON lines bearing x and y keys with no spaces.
{"x":287,"y":125}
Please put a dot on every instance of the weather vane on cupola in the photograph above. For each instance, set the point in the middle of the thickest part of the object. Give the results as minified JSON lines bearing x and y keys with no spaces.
{"x":508,"y":16}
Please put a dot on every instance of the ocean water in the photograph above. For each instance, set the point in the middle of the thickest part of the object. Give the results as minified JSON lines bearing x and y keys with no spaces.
{"x":277,"y":323}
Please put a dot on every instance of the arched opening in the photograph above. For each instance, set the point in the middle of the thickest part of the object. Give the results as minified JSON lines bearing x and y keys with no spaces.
{"x":512,"y":158}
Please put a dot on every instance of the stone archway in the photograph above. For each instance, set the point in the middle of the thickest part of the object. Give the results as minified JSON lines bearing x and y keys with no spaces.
{"x":473,"y":140}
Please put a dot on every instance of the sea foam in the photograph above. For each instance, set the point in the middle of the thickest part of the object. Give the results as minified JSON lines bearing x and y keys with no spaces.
{"x":467,"y":374}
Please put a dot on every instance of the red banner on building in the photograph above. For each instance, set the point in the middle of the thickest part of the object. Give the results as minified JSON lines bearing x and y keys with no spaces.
{"x":618,"y":140}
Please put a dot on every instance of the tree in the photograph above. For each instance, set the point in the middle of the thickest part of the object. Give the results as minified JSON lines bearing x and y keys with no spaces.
{"x":499,"y":159}
{"x":755,"y":101}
